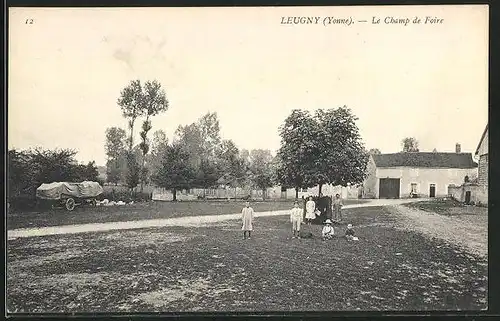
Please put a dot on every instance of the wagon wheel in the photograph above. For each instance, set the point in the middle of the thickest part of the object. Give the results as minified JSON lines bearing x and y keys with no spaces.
{"x":93,"y":202}
{"x":70,"y":204}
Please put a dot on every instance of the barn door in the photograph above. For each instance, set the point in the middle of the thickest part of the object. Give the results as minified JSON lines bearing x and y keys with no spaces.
{"x":389,"y":188}
{"x":432,"y":190}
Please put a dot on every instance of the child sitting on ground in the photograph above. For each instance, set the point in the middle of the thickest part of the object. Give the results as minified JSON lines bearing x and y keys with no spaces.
{"x":349,"y":233}
{"x":328,"y":230}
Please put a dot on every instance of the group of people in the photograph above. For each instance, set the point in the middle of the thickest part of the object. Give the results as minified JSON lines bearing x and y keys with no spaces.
{"x":297,"y":219}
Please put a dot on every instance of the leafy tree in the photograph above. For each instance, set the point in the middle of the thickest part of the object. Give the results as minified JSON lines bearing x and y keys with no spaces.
{"x":189,"y":137}
{"x":158,"y":148}
{"x":132,"y":106}
{"x":374,"y":151}
{"x":154,"y":101}
{"x":410,"y":144}
{"x":261,"y":162}
{"x":176,"y":172}
{"x":209,"y":128}
{"x":115,"y":148}
{"x":133,"y":170}
{"x":207,"y":174}
{"x":342,"y":158}
{"x":27,"y":170}
{"x":322,"y":149}
{"x":232,"y":167}
{"x":201,"y":141}
{"x":115,"y":142}
{"x":298,"y":139}
{"x":114,"y":171}
{"x":22,"y":176}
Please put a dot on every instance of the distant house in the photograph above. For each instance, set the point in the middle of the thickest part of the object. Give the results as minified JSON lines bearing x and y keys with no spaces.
{"x":475,"y":192}
{"x":482,"y":153}
{"x":422,"y":174}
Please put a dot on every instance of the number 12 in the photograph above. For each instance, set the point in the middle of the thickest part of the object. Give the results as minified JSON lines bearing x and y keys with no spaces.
{"x":29,"y":21}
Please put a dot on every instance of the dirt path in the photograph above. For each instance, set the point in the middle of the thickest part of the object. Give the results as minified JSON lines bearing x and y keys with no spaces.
{"x":179,"y":221}
{"x":470,"y":236}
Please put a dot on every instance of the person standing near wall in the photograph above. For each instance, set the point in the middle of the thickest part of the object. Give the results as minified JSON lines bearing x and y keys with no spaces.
{"x":337,"y":207}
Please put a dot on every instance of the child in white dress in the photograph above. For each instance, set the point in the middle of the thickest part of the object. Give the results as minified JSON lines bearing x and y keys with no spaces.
{"x":247,"y":217}
{"x":310,"y":210}
{"x":328,"y":230}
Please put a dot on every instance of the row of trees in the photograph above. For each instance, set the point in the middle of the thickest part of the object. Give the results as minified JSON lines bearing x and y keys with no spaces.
{"x":197,"y":158}
{"x":28,"y":169}
{"x":136,"y":101}
{"x":318,"y":149}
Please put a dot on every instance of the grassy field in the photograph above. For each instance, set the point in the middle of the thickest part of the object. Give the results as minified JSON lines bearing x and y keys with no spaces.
{"x":140,"y":211}
{"x":214,"y":269}
{"x":447,"y":207}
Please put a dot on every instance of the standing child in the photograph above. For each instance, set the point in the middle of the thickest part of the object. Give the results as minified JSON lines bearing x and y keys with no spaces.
{"x":310,"y":210}
{"x":247,"y":217}
{"x":337,"y":207}
{"x":328,"y":230}
{"x":296,"y":216}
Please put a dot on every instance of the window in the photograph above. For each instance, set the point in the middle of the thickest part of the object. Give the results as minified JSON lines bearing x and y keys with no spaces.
{"x":283,"y":189}
{"x":413,"y":188}
{"x":304,"y":190}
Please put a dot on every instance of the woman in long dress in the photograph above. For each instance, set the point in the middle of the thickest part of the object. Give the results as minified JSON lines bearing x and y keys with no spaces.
{"x":247,"y":217}
{"x":310,"y":210}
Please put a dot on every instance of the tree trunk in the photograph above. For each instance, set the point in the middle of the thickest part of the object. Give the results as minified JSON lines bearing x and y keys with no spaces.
{"x":296,"y":192}
{"x":319,"y":190}
{"x":143,"y":160}
{"x":131,"y":142}
{"x":263,"y":194}
{"x":174,"y":193}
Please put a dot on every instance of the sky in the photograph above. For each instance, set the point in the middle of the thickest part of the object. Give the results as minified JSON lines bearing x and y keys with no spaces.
{"x":428,"y":81}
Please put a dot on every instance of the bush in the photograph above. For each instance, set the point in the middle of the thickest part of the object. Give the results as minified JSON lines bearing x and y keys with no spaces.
{"x":22,"y":202}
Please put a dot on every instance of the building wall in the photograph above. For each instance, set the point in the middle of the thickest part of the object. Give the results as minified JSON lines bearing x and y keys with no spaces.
{"x":479,"y":193}
{"x":424,"y":177}
{"x":483,"y":148}
{"x":482,"y":176}
{"x":370,"y":185}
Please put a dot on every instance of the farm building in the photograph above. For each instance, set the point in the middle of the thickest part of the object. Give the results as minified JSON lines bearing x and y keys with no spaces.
{"x":475,"y":191}
{"x":421,"y":174}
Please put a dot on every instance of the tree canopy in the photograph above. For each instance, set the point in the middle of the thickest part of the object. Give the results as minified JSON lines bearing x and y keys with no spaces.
{"x":324,"y":148}
{"x":175,"y":172}
{"x":410,"y":144}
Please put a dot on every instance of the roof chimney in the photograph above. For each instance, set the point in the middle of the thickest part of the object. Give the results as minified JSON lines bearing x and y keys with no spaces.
{"x":458,"y":148}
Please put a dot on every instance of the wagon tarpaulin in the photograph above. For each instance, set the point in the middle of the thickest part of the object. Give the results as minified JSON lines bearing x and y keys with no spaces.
{"x":54,"y":191}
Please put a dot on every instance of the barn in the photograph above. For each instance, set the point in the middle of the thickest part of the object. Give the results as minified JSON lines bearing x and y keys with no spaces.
{"x":416,"y":174}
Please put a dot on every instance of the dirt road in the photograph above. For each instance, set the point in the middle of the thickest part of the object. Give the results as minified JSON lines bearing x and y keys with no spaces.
{"x":179,"y":221}
{"x":467,"y":234}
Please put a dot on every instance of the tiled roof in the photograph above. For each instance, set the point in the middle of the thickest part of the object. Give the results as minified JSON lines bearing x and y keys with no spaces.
{"x":417,"y":159}
{"x":481,"y":140}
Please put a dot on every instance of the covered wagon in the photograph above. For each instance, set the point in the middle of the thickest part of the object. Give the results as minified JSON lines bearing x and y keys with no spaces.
{"x":70,"y":194}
